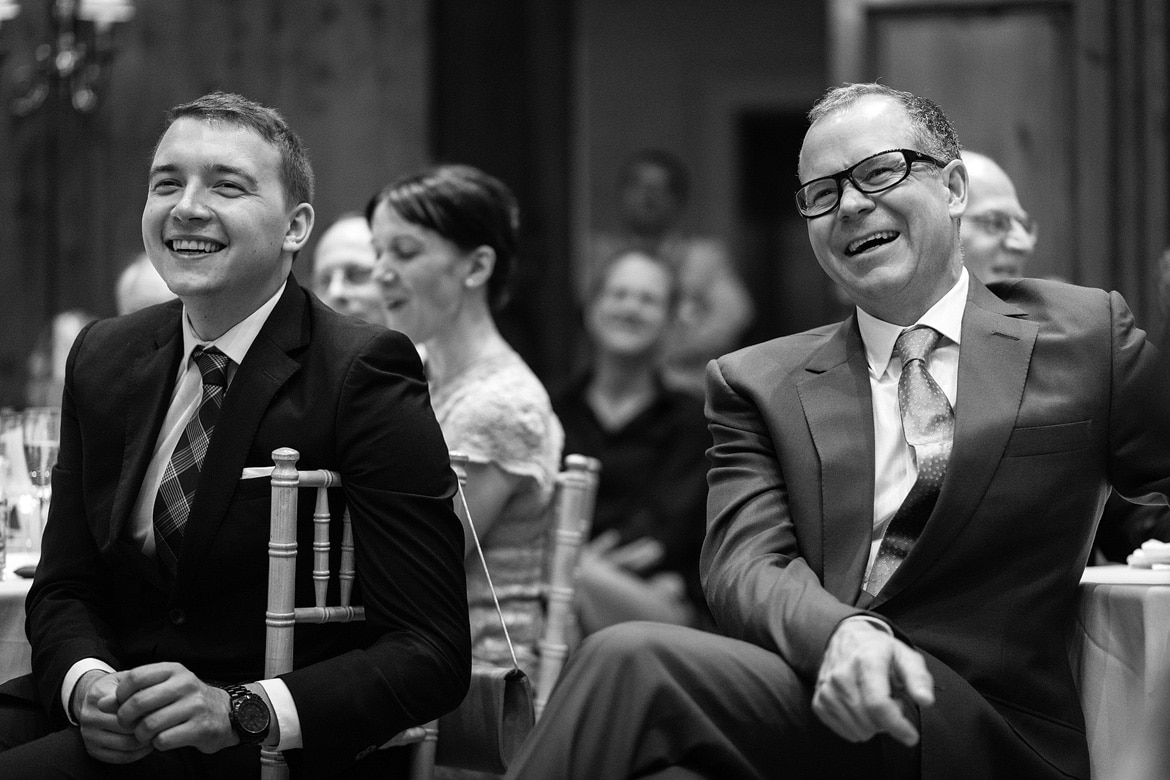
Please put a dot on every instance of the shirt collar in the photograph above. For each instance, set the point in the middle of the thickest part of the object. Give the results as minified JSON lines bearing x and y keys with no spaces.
{"x":945,"y":316}
{"x":238,"y":339}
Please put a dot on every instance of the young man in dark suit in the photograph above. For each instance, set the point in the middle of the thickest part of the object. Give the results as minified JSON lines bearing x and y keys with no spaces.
{"x":146,"y":616}
{"x":900,"y":506}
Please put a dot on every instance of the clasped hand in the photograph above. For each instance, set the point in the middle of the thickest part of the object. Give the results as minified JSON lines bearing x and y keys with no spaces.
{"x":125,"y":715}
{"x":866,"y":678}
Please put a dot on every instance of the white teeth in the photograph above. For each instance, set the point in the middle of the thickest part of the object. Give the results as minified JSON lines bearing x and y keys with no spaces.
{"x":190,"y":245}
{"x":880,"y":235}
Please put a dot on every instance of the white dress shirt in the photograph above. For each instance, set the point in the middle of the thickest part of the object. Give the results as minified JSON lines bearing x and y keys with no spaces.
{"x":184,"y":403}
{"x":895,"y":468}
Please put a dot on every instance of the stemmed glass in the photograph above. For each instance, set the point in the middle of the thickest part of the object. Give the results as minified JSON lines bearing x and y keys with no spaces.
{"x":42,"y":438}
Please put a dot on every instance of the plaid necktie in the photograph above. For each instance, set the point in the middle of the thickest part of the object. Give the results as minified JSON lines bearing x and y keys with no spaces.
{"x":172,"y":506}
{"x":929,"y":425}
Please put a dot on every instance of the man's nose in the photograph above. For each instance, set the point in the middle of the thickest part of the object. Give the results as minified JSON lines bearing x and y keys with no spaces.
{"x":852,"y":201}
{"x":337,"y":286}
{"x":1018,"y":239}
{"x":191,"y":206}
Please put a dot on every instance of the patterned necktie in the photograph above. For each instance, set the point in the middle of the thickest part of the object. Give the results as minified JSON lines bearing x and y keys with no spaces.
{"x":172,"y":506}
{"x":929,"y":425}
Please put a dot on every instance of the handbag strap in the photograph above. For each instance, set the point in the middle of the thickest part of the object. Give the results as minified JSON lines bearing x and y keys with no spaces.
{"x":488,"y":575}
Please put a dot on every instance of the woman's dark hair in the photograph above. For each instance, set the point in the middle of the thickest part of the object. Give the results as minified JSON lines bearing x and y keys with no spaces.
{"x":467,"y":207}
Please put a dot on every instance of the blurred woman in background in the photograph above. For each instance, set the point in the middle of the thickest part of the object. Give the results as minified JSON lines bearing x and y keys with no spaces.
{"x":446,"y":244}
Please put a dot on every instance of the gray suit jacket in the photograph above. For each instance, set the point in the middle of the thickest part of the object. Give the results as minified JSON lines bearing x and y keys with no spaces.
{"x":1058,"y":398}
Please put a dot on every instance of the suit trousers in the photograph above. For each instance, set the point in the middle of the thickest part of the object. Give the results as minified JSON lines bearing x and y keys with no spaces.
{"x":654,"y":700}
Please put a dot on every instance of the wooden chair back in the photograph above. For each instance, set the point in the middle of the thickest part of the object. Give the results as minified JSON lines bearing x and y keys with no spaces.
{"x":573,"y":516}
{"x":282,"y":614}
{"x":572,"y":520}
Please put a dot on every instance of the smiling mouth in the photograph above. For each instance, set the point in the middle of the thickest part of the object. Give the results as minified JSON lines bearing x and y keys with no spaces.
{"x":871,"y":241}
{"x":189,"y":246}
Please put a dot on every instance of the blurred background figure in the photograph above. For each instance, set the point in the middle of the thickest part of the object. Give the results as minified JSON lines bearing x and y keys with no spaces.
{"x":46,"y":363}
{"x":139,"y":286}
{"x":997,"y":234}
{"x":714,"y":308}
{"x":343,"y":268}
{"x":650,"y":516}
{"x":446,"y":244}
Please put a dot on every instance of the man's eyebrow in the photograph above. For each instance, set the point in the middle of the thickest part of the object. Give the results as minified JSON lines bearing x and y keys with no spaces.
{"x":229,"y":170}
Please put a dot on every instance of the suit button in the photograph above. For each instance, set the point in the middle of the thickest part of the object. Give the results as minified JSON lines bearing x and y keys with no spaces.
{"x":177,"y":616}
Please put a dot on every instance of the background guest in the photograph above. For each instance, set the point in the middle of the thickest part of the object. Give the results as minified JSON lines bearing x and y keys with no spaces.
{"x":446,"y":244}
{"x":997,"y":234}
{"x":715,"y":307}
{"x":651,"y":501}
{"x":139,"y":286}
{"x":343,"y":267}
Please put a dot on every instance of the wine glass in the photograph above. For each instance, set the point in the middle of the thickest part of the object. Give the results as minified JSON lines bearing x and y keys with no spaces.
{"x":42,"y":438}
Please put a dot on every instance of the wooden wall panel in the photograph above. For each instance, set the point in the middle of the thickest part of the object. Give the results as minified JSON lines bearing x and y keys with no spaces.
{"x":353,"y":79}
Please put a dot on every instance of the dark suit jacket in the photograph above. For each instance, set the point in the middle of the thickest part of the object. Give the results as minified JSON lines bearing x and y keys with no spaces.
{"x":347,"y":396}
{"x":1056,"y":400}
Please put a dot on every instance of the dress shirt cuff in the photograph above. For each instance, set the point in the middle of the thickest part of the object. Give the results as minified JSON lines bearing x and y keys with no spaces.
{"x":284,"y":709}
{"x":75,"y":673}
{"x":876,"y":622}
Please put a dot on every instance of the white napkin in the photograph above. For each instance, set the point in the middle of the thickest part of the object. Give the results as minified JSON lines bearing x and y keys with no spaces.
{"x":1152,"y":554}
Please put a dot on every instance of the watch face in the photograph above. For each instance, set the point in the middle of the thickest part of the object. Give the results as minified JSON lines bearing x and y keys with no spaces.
{"x":252,"y":715}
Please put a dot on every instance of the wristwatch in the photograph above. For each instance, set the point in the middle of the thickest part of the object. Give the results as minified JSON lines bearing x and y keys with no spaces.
{"x":248,"y":714}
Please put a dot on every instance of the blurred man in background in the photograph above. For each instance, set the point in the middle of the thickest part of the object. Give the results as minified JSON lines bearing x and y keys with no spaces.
{"x":998,"y":235}
{"x":343,"y":264}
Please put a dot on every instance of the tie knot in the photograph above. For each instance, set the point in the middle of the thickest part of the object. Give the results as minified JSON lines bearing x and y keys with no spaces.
{"x":916,"y":343}
{"x":212,"y":364}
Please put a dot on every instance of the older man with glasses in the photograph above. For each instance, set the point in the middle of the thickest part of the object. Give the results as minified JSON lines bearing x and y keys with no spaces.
{"x":998,"y":235}
{"x":900,"y":505}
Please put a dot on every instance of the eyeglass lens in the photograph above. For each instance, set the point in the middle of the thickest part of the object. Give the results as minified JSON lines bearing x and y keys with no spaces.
{"x":871,"y":175}
{"x":1000,"y":222}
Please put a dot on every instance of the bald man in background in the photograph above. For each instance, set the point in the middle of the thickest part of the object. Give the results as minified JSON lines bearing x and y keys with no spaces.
{"x":343,"y":264}
{"x":997,"y":234}
{"x":139,"y":286}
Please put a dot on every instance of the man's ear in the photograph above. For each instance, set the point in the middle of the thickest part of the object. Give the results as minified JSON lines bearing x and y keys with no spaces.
{"x":300,"y":226}
{"x":482,"y":263}
{"x":955,"y":178}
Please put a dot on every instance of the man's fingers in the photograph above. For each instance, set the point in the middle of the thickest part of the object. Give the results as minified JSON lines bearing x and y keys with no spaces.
{"x":836,"y":704}
{"x":914,"y":676}
{"x":881,"y":711}
{"x":146,"y":676}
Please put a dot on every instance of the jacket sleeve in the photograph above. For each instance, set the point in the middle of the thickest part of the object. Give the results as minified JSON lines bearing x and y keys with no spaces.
{"x":409,"y":546}
{"x":68,"y":604}
{"x":758,"y":585}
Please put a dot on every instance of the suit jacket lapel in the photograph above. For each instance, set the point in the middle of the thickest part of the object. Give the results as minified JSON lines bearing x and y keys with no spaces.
{"x":994,"y":357}
{"x":835,"y":395}
{"x":266,"y":367}
{"x":152,"y":380}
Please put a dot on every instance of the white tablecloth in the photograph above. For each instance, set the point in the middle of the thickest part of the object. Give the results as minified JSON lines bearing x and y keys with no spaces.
{"x":15,"y":654}
{"x":1118,"y":650}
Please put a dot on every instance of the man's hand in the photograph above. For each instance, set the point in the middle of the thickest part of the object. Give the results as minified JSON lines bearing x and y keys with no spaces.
{"x":167,"y":706}
{"x":864,"y":677}
{"x":638,"y":556}
{"x":94,"y":705}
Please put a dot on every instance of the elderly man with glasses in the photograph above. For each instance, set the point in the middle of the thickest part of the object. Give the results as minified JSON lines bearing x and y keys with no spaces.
{"x":900,"y":505}
{"x":998,"y":235}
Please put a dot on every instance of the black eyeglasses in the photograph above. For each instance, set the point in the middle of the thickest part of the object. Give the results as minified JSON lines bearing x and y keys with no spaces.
{"x":875,"y":173}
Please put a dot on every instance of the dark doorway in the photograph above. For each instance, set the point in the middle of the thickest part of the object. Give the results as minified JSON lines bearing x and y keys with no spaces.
{"x":791,"y":292}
